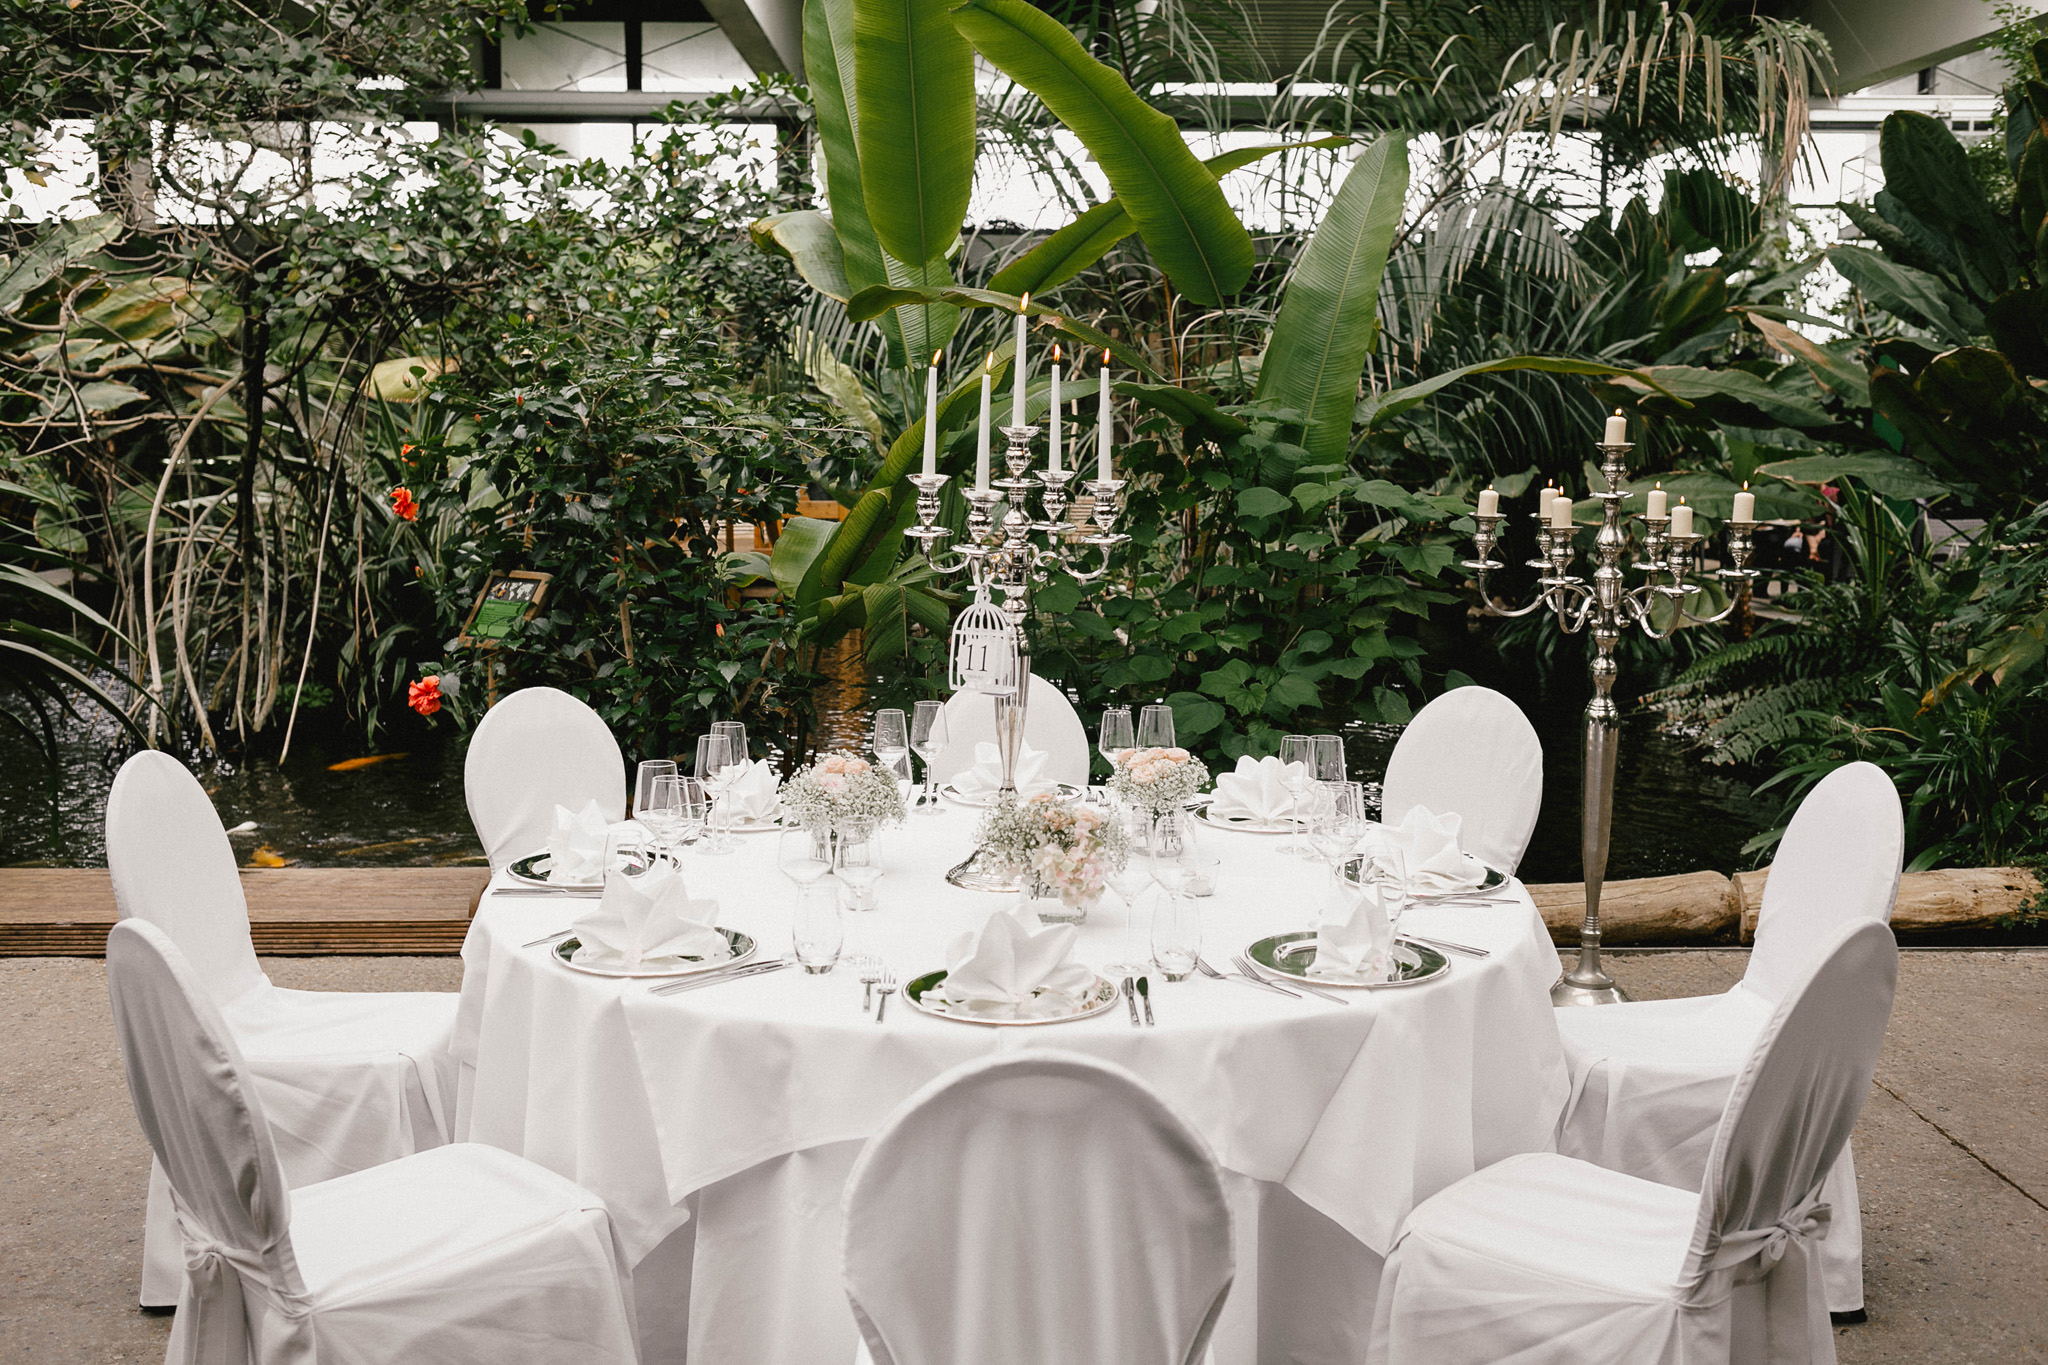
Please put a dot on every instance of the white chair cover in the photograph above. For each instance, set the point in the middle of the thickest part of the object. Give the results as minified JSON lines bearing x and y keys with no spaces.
{"x":1650,"y":1079}
{"x":1472,"y":752}
{"x":1542,"y":1258}
{"x":1050,"y":726}
{"x":462,"y":1254}
{"x":350,"y":1079}
{"x":1033,"y":1208}
{"x":537,"y":749}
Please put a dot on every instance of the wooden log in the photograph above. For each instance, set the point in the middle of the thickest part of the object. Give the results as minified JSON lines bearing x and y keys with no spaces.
{"x":299,"y":911}
{"x":1947,"y":901}
{"x":1696,"y":907}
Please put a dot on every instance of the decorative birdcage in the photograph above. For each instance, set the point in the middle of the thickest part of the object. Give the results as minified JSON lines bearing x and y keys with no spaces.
{"x":984,"y":656}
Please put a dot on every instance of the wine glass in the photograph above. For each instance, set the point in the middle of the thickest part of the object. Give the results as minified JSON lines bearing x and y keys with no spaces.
{"x":643,"y":781}
{"x":661,"y":811}
{"x":858,"y":864}
{"x":892,"y":738}
{"x":716,"y":766}
{"x":1129,"y":883}
{"x":1339,"y":822}
{"x":1176,"y":935}
{"x":816,"y":930}
{"x":1116,"y":734}
{"x":735,"y":734}
{"x":928,"y":739}
{"x":1297,"y":752}
{"x":1155,"y":727}
{"x":1329,"y":757}
{"x":803,"y":855}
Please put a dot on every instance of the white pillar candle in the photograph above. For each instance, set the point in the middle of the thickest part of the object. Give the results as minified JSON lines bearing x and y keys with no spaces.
{"x":1052,"y":445}
{"x":1745,"y":505}
{"x":1617,"y":429}
{"x":1543,"y":501}
{"x":1489,"y":502}
{"x":1658,"y":501}
{"x":981,"y":441}
{"x":1018,"y":370}
{"x":931,"y":417}
{"x":1681,"y":519}
{"x":1102,"y":424}
{"x":1561,"y":513}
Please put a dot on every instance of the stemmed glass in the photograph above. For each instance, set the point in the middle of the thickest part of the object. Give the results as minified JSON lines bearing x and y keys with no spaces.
{"x":1129,"y":883}
{"x":1329,"y":757}
{"x":660,"y":810}
{"x":1339,"y":822}
{"x":1297,"y":752}
{"x":892,"y":739}
{"x":717,"y":765}
{"x":735,"y":734}
{"x":1116,"y":734}
{"x":643,"y":781}
{"x":1155,"y":727}
{"x":928,"y":739}
{"x":693,"y":804}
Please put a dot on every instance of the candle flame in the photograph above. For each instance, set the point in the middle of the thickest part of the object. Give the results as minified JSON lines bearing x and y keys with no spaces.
{"x":1745,"y":485}
{"x":1024,"y":302}
{"x":1617,"y":412}
{"x":935,"y":358}
{"x":1055,"y":353}
{"x":990,"y":363}
{"x":1105,"y":356}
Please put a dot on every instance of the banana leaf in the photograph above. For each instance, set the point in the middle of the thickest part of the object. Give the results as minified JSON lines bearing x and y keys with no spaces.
{"x":807,"y":239}
{"x":870,"y":303}
{"x":60,"y":248}
{"x":1913,"y":294}
{"x":913,"y":83}
{"x":1175,"y":201}
{"x":1329,"y":311}
{"x":1379,"y":407}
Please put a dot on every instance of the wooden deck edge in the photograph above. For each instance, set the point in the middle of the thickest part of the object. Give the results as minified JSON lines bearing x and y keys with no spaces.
{"x":303,"y":938}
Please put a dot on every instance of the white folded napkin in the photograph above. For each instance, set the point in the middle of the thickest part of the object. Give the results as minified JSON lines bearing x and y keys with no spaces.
{"x":1421,"y":854}
{"x":1255,"y":792}
{"x":993,"y":973}
{"x":576,"y":848}
{"x":1356,"y":942}
{"x":648,"y":921}
{"x":985,"y":778}
{"x":752,"y":795}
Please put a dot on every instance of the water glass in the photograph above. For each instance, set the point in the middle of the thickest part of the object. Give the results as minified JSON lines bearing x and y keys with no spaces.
{"x":1116,"y":734}
{"x":816,"y":930}
{"x":892,"y":739}
{"x":660,"y":810}
{"x":1298,"y":753}
{"x":1339,"y":822}
{"x":694,"y":804}
{"x":857,"y":863}
{"x":804,"y":855}
{"x":643,"y":781}
{"x":1155,"y":727}
{"x":1202,"y":874}
{"x":1329,"y":757}
{"x":1176,"y":935}
{"x":928,"y":738}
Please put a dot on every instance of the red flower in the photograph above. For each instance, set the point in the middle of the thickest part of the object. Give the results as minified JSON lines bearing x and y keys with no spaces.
{"x":402,"y":503}
{"x":424,"y":696}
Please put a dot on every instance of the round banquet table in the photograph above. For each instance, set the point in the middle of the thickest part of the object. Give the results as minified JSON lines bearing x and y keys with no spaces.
{"x":719,"y":1125}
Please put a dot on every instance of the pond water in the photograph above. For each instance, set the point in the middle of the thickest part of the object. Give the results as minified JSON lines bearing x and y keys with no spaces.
{"x":1672,"y":813}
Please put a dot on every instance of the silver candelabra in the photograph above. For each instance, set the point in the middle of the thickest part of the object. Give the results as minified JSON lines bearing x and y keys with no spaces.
{"x":1004,"y":553}
{"x":1609,"y":607}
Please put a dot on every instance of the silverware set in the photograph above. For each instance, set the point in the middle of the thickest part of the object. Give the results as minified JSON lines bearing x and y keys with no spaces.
{"x":1134,"y":990}
{"x":720,"y":975}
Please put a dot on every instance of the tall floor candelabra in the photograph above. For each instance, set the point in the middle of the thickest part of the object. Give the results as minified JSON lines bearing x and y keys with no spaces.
{"x":1003,"y":554}
{"x":1609,"y":607}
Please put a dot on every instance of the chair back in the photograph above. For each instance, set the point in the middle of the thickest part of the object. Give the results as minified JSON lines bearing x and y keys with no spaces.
{"x":198,"y":1107}
{"x":1050,"y":726}
{"x":1033,"y":1208}
{"x":537,"y":749}
{"x":169,"y":859}
{"x":1473,"y":753}
{"x":1838,"y":864}
{"x":1795,"y":1102}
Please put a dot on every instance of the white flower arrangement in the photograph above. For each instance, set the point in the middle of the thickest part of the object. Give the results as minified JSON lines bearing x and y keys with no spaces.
{"x":1061,"y":848}
{"x":840,"y":789}
{"x":1157,"y":780}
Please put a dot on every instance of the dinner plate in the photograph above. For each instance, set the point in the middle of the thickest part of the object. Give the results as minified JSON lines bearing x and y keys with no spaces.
{"x":1101,"y":996}
{"x":1066,"y":791}
{"x":1293,"y":954}
{"x":1493,"y":880}
{"x":742,"y":949}
{"x":1244,"y":826}
{"x":533,"y":870}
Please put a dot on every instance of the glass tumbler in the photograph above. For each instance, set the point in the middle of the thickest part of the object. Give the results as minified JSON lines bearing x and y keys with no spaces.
{"x":1176,"y":935}
{"x":816,"y":930}
{"x":858,"y":866}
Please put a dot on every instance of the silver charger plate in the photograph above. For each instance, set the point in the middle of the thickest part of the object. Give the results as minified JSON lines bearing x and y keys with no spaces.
{"x":1101,"y":996}
{"x":1066,"y":791}
{"x":533,"y":870}
{"x":742,"y":948}
{"x":1494,"y":880}
{"x":1243,"y":826}
{"x":1293,"y":954}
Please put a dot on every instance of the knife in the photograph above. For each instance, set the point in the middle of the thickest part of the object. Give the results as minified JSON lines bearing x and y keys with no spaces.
{"x":691,"y":983}
{"x":1131,"y":999}
{"x":1448,"y":946}
{"x":542,"y":891}
{"x":1145,"y":992}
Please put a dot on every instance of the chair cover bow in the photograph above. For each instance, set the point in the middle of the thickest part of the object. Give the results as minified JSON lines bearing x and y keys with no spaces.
{"x":1768,"y":1245}
{"x":212,"y":1326}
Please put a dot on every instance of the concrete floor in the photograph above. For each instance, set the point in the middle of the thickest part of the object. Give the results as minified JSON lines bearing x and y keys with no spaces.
{"x":1952,"y":1151}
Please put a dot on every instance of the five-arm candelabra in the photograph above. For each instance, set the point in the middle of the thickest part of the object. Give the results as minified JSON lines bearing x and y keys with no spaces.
{"x":1609,"y":607}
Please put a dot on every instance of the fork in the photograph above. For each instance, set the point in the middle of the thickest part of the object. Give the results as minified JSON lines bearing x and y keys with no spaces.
{"x":1203,"y":966}
{"x":886,"y":984}
{"x":1250,"y":969}
{"x":870,"y":972}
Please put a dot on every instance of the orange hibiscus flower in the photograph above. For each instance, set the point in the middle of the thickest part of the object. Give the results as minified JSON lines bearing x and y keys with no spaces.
{"x":402,"y":503}
{"x":424,"y":696}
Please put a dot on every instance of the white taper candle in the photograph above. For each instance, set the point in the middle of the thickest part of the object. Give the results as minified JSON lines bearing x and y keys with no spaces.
{"x":1052,"y":444}
{"x":931,"y":417}
{"x":1102,"y":425}
{"x":981,"y":441}
{"x":1019,"y":370}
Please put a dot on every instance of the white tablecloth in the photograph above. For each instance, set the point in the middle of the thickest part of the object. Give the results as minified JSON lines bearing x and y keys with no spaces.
{"x":722,"y":1122}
